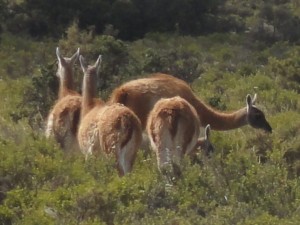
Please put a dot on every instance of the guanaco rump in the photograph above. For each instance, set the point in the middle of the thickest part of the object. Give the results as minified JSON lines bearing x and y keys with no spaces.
{"x":107,"y":128}
{"x":140,"y":96}
{"x":63,"y":119}
{"x":173,"y":127}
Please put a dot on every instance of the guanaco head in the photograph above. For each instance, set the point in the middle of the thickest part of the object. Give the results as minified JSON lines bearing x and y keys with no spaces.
{"x":204,"y":143}
{"x":89,"y":84}
{"x":255,"y":117}
{"x":89,"y":71}
{"x":91,"y":68}
{"x":65,"y":65}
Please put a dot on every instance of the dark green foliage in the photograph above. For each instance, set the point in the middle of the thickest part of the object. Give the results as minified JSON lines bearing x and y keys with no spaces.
{"x":39,"y":97}
{"x":287,"y":71}
{"x":267,"y":21}
{"x":127,"y":18}
{"x":184,"y":65}
{"x":216,"y":103}
{"x":132,"y":18}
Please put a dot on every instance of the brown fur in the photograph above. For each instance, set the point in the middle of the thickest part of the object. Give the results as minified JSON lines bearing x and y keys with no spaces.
{"x":140,"y":96}
{"x":111,"y":129}
{"x":62,"y":122}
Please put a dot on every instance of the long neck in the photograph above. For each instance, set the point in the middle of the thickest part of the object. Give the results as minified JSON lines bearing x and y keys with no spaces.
{"x":88,"y":94}
{"x":66,"y":83}
{"x":219,"y":120}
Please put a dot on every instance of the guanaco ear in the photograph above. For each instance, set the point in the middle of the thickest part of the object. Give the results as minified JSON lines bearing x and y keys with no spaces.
{"x":249,"y":102}
{"x":207,"y":132}
{"x":98,"y":63}
{"x":75,"y":56}
{"x":82,"y":64}
{"x":254,"y":99}
{"x":58,"y":55}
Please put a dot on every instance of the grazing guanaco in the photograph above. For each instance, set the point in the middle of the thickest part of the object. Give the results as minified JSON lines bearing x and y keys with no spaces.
{"x":173,"y":127}
{"x":63,"y":119}
{"x":140,"y":96}
{"x":108,"y":128}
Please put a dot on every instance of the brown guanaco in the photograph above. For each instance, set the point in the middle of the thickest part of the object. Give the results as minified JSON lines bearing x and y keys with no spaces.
{"x":112,"y":129}
{"x":63,"y":118}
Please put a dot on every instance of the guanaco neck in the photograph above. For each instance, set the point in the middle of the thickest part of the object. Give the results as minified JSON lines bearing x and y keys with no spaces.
{"x":89,"y":89}
{"x":66,"y":83}
{"x":219,"y":120}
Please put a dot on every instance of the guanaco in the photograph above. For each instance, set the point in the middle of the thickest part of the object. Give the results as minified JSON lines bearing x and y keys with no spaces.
{"x":107,"y":128}
{"x":140,"y":96}
{"x":173,"y":127}
{"x":62,"y":121}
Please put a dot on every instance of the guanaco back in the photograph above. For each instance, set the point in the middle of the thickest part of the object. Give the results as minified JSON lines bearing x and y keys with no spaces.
{"x":141,"y":95}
